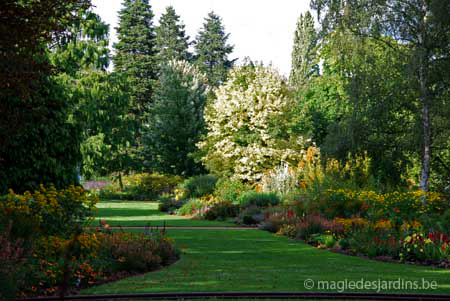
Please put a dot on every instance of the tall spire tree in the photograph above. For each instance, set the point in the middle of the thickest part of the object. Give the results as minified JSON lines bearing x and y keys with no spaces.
{"x":172,"y":43}
{"x":135,"y":51}
{"x":303,"y":53}
{"x":212,"y":50}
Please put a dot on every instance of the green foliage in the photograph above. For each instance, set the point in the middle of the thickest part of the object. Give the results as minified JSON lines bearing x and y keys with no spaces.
{"x":26,"y":30}
{"x":304,"y":63}
{"x":314,"y":224}
{"x":229,"y":190}
{"x":44,"y":147}
{"x":417,"y":34}
{"x":246,"y":135}
{"x":251,"y":215}
{"x":260,"y":199}
{"x":192,"y":207}
{"x":139,"y":252}
{"x":143,"y":186}
{"x":199,"y":186}
{"x":176,"y":120}
{"x":37,"y":144}
{"x":86,"y":47}
{"x":172,"y":42}
{"x":212,"y":50}
{"x":135,"y":53}
{"x":47,"y":211}
{"x":101,"y":107}
{"x":153,"y":185}
{"x":168,"y":203}
{"x":221,"y":211}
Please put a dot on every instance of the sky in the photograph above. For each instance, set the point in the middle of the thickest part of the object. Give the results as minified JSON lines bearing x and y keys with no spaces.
{"x":260,"y":29}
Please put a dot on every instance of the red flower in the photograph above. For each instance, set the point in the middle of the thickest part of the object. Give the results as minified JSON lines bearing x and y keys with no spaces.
{"x":290,"y":214}
{"x":396,"y":210}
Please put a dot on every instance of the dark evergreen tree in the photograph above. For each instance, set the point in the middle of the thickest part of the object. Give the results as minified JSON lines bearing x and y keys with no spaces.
{"x":303,"y":53}
{"x":212,"y":50}
{"x":176,"y":122}
{"x":37,"y":144}
{"x":171,"y":39}
{"x":135,"y":51}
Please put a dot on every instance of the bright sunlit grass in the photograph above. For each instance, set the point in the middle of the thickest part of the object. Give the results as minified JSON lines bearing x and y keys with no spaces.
{"x":128,"y":213}
{"x":259,"y":261}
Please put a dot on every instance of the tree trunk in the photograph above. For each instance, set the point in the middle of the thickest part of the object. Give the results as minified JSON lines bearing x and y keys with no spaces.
{"x":425,"y":102}
{"x":426,"y":141}
{"x":120,"y":181}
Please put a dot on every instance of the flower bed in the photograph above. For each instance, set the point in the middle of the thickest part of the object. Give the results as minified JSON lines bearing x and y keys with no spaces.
{"x":45,"y":251}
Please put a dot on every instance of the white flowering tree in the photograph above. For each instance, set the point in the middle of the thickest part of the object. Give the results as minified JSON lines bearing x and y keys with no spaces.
{"x":246,"y":133}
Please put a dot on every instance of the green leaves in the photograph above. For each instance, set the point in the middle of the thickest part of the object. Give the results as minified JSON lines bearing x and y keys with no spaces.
{"x":304,"y":56}
{"x":212,"y":50}
{"x":171,"y":40}
{"x":135,"y":52}
{"x":176,"y":120}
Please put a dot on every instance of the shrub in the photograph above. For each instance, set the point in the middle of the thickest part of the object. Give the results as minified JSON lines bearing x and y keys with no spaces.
{"x":370,"y":242}
{"x":261,"y":199}
{"x":141,"y":186}
{"x":151,"y":186}
{"x":137,"y":252}
{"x":279,"y":220}
{"x":323,"y":240}
{"x":251,"y":215}
{"x":168,"y":203}
{"x":282,"y":179}
{"x":315,"y":224}
{"x":13,"y":254}
{"x":339,"y":203}
{"x":199,"y":186}
{"x":221,"y":211}
{"x":418,"y":246}
{"x":230,"y":190}
{"x":54,"y":211}
{"x":192,"y":207}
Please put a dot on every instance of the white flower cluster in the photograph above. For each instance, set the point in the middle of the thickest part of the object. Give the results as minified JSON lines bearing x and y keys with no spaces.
{"x":239,"y":124}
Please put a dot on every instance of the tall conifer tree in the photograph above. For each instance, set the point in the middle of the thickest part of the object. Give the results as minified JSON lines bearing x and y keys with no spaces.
{"x":172,"y":43}
{"x":135,"y":51}
{"x":212,"y":50}
{"x":303,"y":53}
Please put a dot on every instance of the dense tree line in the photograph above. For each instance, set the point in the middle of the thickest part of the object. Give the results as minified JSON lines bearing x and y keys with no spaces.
{"x":371,"y":78}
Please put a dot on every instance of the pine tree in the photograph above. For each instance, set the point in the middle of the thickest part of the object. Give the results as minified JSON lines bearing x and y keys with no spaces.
{"x":212,"y":50}
{"x":303,"y":56}
{"x":176,"y":122}
{"x":135,"y":51}
{"x":172,"y":43}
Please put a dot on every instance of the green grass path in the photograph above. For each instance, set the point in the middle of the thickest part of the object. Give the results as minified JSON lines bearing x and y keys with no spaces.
{"x":259,"y":261}
{"x":128,"y":213}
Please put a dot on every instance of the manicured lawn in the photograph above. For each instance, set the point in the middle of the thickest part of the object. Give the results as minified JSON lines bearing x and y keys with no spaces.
{"x":128,"y":213}
{"x":231,"y":260}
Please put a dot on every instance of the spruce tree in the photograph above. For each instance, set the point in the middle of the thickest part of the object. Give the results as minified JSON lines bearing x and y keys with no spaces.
{"x":212,"y":50}
{"x":172,"y":43}
{"x":135,"y":51}
{"x":176,"y":122}
{"x":303,"y":52}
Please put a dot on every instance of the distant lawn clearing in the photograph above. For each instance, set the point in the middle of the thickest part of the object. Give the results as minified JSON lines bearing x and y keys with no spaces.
{"x":259,"y":261}
{"x":129,"y":213}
